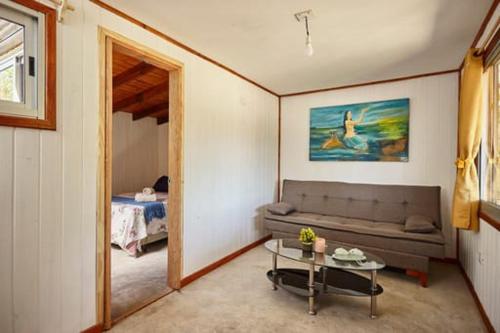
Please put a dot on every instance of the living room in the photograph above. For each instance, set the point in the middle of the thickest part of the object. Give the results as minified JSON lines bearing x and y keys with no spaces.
{"x":331,"y":165}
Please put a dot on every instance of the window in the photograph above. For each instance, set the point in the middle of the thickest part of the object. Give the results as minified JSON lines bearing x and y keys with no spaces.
{"x":27,"y":64}
{"x":491,"y":142}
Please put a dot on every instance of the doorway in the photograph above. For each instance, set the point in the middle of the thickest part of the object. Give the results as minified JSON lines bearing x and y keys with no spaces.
{"x":141,"y":90}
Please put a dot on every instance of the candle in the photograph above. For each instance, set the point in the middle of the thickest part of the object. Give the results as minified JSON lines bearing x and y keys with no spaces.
{"x":319,"y":245}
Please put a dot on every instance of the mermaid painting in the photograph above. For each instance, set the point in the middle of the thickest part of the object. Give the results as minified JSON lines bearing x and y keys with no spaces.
{"x":350,"y":139}
{"x":371,"y":131}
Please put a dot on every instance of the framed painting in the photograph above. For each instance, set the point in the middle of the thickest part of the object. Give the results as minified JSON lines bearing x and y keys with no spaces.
{"x":373,"y":131}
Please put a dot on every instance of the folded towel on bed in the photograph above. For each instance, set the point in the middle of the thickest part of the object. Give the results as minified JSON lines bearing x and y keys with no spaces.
{"x":141,"y":197}
{"x":148,"y":191}
{"x":155,"y":209}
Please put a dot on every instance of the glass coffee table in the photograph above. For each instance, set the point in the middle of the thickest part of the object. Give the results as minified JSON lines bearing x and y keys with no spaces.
{"x":334,"y":276}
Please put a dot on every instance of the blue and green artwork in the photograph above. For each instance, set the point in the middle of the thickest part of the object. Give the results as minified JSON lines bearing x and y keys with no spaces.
{"x":373,"y":131}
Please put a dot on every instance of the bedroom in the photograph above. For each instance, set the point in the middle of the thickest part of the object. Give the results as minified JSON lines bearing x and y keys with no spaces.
{"x":139,"y":206}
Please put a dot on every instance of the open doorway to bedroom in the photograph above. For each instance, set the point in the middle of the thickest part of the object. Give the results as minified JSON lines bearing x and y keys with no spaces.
{"x":139,"y":188}
{"x":140,"y":236}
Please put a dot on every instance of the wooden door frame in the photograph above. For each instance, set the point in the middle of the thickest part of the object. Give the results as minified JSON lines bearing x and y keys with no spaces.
{"x":109,"y":40}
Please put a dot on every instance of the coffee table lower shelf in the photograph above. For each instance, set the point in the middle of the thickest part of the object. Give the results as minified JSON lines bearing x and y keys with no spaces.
{"x":326,"y":281}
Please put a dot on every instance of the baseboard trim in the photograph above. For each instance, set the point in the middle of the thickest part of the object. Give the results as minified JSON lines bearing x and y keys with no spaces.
{"x":97,"y":328}
{"x":479,"y":305}
{"x":198,"y":274}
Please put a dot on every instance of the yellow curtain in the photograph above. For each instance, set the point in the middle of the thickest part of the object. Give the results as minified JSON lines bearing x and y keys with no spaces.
{"x":466,"y":195}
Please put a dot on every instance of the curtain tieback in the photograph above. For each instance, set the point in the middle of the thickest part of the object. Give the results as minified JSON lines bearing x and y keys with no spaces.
{"x":463,"y":164}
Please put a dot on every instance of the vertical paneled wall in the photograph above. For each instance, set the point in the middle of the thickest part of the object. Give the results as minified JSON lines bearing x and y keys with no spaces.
{"x":432,"y":139}
{"x":479,"y":256}
{"x":42,"y":192}
{"x":40,"y":187}
{"x":137,"y":152}
{"x":162,"y":150}
{"x":48,"y":192}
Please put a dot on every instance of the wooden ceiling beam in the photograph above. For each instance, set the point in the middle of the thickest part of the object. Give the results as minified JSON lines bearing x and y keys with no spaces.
{"x":140,"y":97}
{"x":150,"y":111}
{"x":132,"y":73}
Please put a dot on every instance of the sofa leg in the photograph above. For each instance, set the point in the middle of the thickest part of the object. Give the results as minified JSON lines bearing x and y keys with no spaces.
{"x":420,"y":275}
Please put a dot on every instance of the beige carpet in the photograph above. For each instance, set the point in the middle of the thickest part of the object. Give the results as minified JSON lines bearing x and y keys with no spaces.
{"x":237,"y":297}
{"x":134,"y":280}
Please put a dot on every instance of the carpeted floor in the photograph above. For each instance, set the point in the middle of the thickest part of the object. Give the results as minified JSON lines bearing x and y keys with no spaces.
{"x":134,"y":280}
{"x":237,"y":297}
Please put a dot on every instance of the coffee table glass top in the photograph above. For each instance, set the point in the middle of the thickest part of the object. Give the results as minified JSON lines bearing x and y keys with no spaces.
{"x":292,"y":249}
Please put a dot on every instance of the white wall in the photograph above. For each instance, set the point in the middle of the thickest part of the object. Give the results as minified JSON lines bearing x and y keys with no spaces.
{"x":137,"y":155}
{"x":479,"y":257}
{"x":432,"y":143}
{"x":48,"y":179}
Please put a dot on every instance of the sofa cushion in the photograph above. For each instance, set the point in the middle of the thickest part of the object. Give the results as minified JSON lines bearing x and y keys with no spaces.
{"x":419,"y":224}
{"x":381,"y":203}
{"x":402,"y":245}
{"x":359,"y":226}
{"x":280,"y":208}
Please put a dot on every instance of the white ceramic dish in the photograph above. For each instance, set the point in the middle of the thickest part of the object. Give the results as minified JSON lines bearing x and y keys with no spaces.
{"x":348,"y":257}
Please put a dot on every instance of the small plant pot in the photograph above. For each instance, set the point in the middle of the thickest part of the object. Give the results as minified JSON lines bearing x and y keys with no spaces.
{"x":307,"y":247}
{"x":307,"y":254}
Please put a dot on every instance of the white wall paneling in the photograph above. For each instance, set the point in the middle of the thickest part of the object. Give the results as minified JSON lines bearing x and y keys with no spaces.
{"x":48,"y":179}
{"x":7,"y":224}
{"x":71,"y":128}
{"x":140,"y":152}
{"x":162,"y":150}
{"x":50,"y":233}
{"x":432,"y":143}
{"x":26,"y":228}
{"x":479,"y":257}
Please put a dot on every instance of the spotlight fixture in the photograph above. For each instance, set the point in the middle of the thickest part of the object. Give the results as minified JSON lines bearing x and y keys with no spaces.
{"x":305,"y":16}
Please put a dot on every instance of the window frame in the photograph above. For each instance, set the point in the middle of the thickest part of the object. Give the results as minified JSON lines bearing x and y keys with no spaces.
{"x":30,"y":105}
{"x":489,"y":211}
{"x":4,"y":65}
{"x":44,"y":115}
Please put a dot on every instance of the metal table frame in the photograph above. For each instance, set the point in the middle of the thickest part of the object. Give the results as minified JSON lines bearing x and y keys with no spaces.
{"x":323,"y":272}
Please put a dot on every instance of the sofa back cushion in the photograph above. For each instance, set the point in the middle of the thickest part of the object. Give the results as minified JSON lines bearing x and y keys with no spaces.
{"x":382,"y":203}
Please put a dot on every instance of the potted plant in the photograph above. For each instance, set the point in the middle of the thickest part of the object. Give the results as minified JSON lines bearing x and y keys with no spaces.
{"x":307,"y":238}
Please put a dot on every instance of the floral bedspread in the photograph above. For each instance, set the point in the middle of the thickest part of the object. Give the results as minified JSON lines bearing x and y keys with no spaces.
{"x":128,"y":226}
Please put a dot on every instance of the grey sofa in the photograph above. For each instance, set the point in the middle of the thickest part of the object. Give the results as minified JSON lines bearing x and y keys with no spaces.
{"x":370,"y":217}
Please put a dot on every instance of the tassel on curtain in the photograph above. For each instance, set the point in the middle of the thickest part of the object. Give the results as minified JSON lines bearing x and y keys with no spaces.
{"x":466,"y":194}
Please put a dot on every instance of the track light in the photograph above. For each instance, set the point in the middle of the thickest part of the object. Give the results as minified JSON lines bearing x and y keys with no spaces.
{"x":305,"y":15}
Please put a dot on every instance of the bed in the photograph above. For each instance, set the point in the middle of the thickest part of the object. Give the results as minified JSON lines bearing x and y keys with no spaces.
{"x":135,"y":224}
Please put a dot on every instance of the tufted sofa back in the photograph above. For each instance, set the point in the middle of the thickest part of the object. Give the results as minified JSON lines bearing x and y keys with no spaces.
{"x":381,"y":203}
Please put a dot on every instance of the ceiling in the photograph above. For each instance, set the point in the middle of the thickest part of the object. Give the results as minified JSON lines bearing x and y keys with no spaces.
{"x":11,"y":37}
{"x":354,"y":41}
{"x":139,"y":88}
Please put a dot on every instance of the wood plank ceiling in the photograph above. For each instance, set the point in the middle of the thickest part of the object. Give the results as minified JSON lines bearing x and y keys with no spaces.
{"x":139,"y":88}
